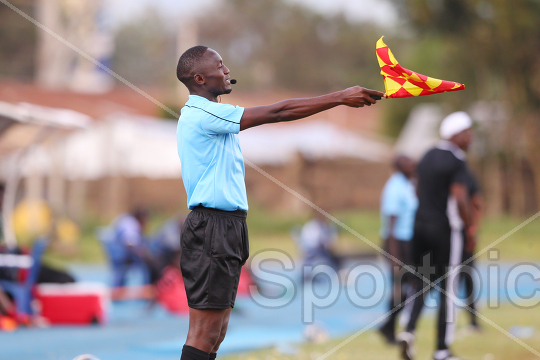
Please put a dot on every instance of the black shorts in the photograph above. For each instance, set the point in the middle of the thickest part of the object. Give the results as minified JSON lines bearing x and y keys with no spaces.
{"x":214,"y":248}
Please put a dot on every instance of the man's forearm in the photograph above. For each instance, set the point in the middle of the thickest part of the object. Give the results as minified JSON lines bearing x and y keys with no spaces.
{"x":288,"y":110}
{"x":294,"y":109}
{"x":477,"y":209}
{"x":465,"y":211}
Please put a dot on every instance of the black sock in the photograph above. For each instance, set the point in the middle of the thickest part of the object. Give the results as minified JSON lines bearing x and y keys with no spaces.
{"x":191,"y":353}
{"x":212,"y":356}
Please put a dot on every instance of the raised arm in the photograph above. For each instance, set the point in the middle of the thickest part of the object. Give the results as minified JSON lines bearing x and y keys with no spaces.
{"x":294,"y":109}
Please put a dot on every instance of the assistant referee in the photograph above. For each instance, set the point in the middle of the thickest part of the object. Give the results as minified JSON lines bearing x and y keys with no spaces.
{"x":442,"y":218}
{"x":214,"y":237}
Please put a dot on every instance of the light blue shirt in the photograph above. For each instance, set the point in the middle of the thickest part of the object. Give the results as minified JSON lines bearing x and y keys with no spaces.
{"x":212,"y":163}
{"x":398,"y":199}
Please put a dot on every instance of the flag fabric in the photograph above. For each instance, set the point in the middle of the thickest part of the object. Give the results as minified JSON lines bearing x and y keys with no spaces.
{"x":400,"y":82}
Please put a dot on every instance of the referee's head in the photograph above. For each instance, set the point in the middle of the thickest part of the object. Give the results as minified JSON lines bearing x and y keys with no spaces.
{"x":457,"y":128}
{"x":202,"y":70}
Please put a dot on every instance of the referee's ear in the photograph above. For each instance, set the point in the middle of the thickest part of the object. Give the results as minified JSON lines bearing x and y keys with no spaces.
{"x":199,"y":79}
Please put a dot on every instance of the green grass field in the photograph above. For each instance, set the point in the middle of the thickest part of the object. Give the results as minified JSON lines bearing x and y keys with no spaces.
{"x":272,"y":231}
{"x":490,"y":344}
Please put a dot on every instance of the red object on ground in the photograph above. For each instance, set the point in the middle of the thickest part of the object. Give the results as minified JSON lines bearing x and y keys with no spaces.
{"x":8,"y":323}
{"x":79,"y":303}
{"x":245,"y":281}
{"x":171,"y":291}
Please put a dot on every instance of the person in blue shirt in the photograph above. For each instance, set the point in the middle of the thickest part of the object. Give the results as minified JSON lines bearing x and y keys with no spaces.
{"x":131,"y":248}
{"x":398,"y":209}
{"x":214,"y":238}
{"x":315,"y":241}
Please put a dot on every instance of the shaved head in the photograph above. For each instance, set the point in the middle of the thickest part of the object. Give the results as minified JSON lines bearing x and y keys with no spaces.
{"x":405,"y":165}
{"x":202,"y":71}
{"x":188,"y":63}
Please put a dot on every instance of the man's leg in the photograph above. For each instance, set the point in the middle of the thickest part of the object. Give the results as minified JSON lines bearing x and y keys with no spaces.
{"x":448,"y":255}
{"x":119,"y":275}
{"x":421,"y":256}
{"x":418,"y":303}
{"x":224,"y":326}
{"x":420,"y":252}
{"x":389,"y":327}
{"x":396,"y":284}
{"x":206,"y":328}
{"x":467,"y":276}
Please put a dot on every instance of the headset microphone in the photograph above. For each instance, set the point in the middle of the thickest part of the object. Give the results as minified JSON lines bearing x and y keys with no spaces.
{"x":233,"y":81}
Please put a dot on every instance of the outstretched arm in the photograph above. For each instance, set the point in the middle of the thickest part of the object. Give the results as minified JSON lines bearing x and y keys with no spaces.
{"x":294,"y":109}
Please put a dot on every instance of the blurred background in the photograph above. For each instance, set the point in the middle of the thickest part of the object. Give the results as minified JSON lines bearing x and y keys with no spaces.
{"x":79,"y":147}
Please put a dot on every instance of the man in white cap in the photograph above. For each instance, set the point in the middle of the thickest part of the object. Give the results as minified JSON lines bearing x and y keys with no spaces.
{"x":442,"y":219}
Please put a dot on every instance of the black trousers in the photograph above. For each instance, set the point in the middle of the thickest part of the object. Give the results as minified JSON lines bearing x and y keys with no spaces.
{"x":400,"y":282}
{"x":436,"y":252}
{"x":468,"y":280}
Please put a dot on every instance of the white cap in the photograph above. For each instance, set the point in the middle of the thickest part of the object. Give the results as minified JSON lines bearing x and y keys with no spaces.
{"x":454,"y":124}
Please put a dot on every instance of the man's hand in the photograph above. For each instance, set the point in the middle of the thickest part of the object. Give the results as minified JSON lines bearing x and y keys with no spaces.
{"x":358,"y":96}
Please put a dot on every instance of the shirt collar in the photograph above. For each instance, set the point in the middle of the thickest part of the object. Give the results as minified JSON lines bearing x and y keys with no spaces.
{"x":193,"y":98}
{"x":401,"y":177}
{"x":453,"y":148}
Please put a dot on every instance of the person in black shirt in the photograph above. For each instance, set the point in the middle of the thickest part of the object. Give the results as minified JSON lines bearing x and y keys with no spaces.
{"x":442,"y":217}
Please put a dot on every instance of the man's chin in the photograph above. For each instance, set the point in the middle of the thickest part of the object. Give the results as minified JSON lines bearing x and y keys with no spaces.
{"x":227,"y":91}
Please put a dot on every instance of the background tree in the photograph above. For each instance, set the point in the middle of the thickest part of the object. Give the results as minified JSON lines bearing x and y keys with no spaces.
{"x":145,"y":50}
{"x":17,"y":41}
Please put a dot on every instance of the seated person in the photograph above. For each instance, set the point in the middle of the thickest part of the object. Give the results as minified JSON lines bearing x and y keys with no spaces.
{"x":315,"y":241}
{"x":129,"y":237}
{"x":165,"y":246}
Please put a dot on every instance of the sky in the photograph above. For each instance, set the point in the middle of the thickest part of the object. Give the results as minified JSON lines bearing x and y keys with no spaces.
{"x":381,"y":11}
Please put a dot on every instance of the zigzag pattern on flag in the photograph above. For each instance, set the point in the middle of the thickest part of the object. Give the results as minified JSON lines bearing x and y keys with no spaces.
{"x":400,"y":82}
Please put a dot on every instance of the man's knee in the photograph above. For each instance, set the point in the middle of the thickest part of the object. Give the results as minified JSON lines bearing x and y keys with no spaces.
{"x":220,"y":339}
{"x":206,"y":328}
{"x":222,"y":333}
{"x":204,"y":338}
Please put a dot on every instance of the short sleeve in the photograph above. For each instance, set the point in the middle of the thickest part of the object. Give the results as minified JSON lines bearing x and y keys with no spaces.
{"x":391,"y":200}
{"x":222,"y":119}
{"x":460,"y":175}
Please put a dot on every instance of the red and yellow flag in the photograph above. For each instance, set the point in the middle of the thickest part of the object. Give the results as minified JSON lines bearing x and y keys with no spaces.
{"x":400,"y":82}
